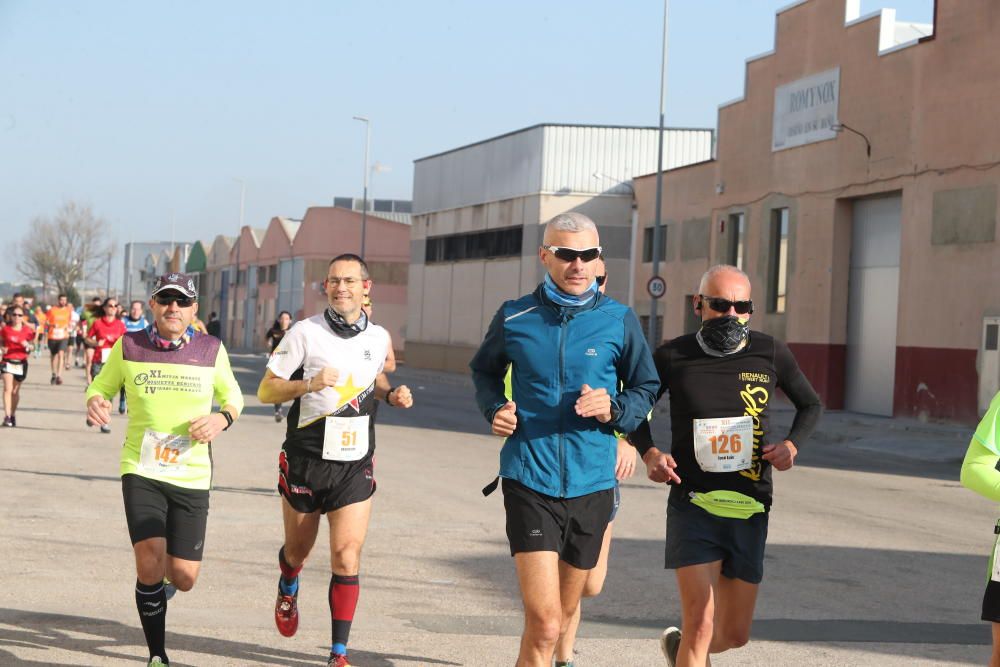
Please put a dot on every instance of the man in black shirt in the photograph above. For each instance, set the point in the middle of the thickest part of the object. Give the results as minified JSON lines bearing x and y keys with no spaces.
{"x":722,"y":381}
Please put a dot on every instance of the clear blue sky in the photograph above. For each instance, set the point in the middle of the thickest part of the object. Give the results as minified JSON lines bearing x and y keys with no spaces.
{"x":149,"y":111}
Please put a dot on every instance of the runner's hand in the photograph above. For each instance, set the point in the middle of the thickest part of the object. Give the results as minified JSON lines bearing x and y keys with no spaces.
{"x":99,"y":410}
{"x":505,"y":419}
{"x":402,"y":397}
{"x":781,"y":455}
{"x":206,"y":427}
{"x":660,"y":467}
{"x":325,"y":378}
{"x":594,"y":403}
{"x":625,"y":466}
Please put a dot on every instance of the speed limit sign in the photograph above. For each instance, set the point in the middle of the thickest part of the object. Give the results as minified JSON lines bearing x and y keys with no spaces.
{"x":656,"y":287}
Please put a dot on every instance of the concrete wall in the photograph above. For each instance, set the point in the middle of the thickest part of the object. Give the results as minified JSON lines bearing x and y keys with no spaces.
{"x":928,"y":112}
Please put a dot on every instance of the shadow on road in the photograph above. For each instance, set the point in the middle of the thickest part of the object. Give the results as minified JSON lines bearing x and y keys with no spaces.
{"x":863,"y":595}
{"x":251,"y":490}
{"x":102,"y":638}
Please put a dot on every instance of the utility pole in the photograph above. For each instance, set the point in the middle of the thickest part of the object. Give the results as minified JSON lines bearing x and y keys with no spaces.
{"x":653,"y":334}
{"x":364,"y":209}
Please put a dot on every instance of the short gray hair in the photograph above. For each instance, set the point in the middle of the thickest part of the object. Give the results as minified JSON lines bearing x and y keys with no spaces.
{"x":717,"y":270}
{"x":570,"y":222}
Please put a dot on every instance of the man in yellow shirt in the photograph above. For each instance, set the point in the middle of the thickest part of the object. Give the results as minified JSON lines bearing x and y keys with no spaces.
{"x":171,"y":380}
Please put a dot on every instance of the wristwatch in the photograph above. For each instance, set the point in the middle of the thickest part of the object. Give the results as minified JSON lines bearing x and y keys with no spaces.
{"x":616,"y":411}
{"x":229,"y":419}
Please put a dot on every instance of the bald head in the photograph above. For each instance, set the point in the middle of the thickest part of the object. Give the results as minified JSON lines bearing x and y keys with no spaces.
{"x":722,"y":281}
{"x":725,"y":274}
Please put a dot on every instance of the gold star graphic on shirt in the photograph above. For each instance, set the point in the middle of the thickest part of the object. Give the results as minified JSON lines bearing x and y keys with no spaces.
{"x":348,"y":393}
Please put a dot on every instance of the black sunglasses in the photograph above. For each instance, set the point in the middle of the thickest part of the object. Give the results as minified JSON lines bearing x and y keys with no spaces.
{"x":720,"y":305}
{"x":572,"y":254}
{"x":181,"y":301}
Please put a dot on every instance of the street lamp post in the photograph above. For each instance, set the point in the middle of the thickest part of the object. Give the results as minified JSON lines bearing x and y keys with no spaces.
{"x":364,"y":208}
{"x":239,"y":233}
{"x":657,"y":226}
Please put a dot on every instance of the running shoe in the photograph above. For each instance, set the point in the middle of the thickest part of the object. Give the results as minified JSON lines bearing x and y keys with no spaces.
{"x":286,"y":614}
{"x":338,"y":660}
{"x":7,"y":421}
{"x":52,"y":380}
{"x":58,"y":380}
{"x":105,"y":428}
{"x":670,"y":641}
{"x":121,"y":407}
{"x":156,"y":661}
{"x":278,"y":415}
{"x":13,"y":420}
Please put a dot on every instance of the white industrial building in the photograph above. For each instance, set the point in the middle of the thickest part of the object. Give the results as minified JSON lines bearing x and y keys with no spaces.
{"x":478,"y":213}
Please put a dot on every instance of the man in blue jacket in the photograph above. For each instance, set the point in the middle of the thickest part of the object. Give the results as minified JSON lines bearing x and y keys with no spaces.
{"x":581,"y":370}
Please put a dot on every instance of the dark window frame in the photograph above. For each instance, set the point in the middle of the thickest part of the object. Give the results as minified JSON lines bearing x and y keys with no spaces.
{"x":487,"y":244}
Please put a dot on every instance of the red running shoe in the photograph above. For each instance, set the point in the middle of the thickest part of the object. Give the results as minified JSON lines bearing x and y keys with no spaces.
{"x":286,"y":614}
{"x":338,"y":660}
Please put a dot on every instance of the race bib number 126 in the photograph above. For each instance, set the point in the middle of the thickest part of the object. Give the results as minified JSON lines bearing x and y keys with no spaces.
{"x":723,"y":444}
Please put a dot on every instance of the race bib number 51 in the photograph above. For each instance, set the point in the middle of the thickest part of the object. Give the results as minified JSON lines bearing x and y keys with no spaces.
{"x":345,"y":438}
{"x":723,"y":444}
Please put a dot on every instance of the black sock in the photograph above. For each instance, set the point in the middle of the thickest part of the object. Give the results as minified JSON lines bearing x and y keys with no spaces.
{"x":151,"y":601}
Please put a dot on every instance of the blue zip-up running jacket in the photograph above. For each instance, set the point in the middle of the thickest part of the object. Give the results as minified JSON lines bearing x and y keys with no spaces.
{"x":553,"y":351}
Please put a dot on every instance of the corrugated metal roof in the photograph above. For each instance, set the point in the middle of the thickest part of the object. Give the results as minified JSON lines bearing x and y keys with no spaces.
{"x":565,"y":159}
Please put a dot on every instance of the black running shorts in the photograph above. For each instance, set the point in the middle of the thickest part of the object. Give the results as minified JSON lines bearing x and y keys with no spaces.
{"x":21,"y":365}
{"x":57,"y":346}
{"x":572,"y":527}
{"x":158,"y":509}
{"x":310,"y":484}
{"x":991,"y":598}
{"x":695,"y":536}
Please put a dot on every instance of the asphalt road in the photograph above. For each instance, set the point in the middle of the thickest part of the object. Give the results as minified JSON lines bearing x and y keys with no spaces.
{"x":876,"y":556}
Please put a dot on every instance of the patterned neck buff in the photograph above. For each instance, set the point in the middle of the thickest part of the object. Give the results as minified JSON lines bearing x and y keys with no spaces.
{"x":159,"y":341}
{"x":340,"y":325}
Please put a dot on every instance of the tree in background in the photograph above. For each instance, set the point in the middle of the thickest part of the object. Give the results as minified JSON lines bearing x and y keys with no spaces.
{"x":63,"y":250}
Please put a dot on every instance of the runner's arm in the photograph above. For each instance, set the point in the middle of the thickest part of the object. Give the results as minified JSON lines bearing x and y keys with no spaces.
{"x":226,"y":388}
{"x":489,"y":366}
{"x":791,"y":380}
{"x":286,"y":360}
{"x":638,"y":375}
{"x":390,"y":359}
{"x":642,"y":437}
{"x":979,"y":471}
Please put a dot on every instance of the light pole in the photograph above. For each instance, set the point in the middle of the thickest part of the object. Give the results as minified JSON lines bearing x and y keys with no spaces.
{"x":364,"y":209}
{"x":239,"y":233}
{"x":657,"y":226}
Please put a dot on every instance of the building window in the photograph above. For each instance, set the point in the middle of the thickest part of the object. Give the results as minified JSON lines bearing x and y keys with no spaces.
{"x":644,"y":323}
{"x":647,"y":243}
{"x":272,"y":274}
{"x":736,"y":251}
{"x":261,"y":275}
{"x":777,"y":274}
{"x":490,"y":244}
